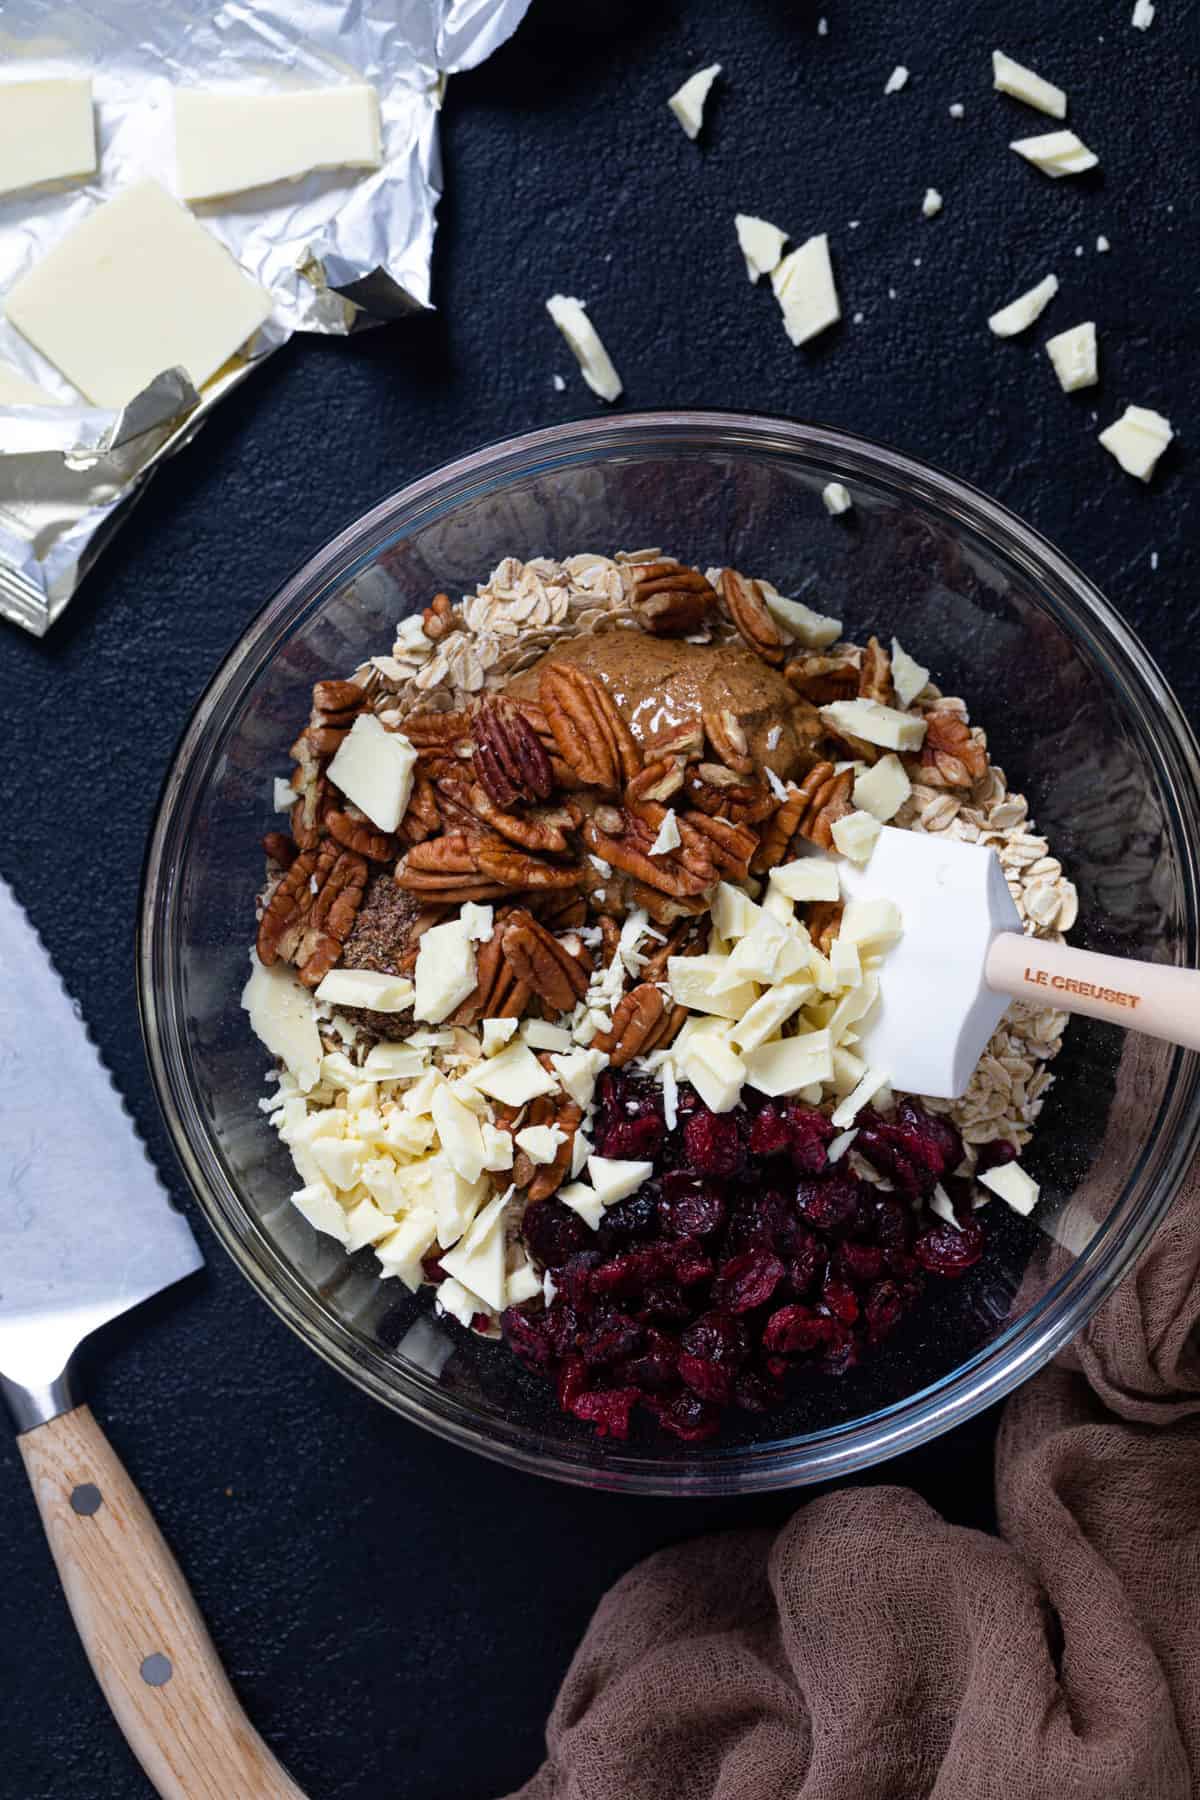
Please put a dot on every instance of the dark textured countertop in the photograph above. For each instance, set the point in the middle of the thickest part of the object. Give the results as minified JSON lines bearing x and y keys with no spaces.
{"x":395,"y":1613}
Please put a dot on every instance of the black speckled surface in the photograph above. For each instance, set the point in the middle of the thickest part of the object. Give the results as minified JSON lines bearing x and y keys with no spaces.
{"x":395,"y":1613}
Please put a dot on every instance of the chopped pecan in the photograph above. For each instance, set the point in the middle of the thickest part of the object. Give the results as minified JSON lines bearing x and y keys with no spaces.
{"x":642,"y":1022}
{"x":657,"y":781}
{"x":823,"y":919}
{"x":498,"y":993}
{"x":713,"y":789}
{"x":686,"y":939}
{"x":546,"y":965}
{"x":630,"y":850}
{"x":666,"y":909}
{"x":331,"y":916}
{"x":438,"y":618}
{"x":510,"y":760}
{"x":685,"y":739}
{"x":437,"y":730}
{"x":610,"y":937}
{"x":354,"y":831}
{"x":823,"y":679}
{"x":950,"y":757}
{"x":592,"y":737}
{"x":281,"y":848}
{"x":725,"y":734}
{"x":671,"y":600}
{"x":746,"y":607}
{"x":337,"y":703}
{"x":539,"y":1180}
{"x":421,"y":816}
{"x":780,"y":829}
{"x":445,"y":868}
{"x":290,"y":899}
{"x":827,"y":796}
{"x":560,"y":912}
{"x":875,"y":676}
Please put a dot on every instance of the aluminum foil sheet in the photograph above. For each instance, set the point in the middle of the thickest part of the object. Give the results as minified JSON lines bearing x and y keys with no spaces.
{"x":338,"y":249}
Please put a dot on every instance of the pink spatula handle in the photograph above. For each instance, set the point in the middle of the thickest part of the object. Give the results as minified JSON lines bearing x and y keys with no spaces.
{"x":1155,"y":998}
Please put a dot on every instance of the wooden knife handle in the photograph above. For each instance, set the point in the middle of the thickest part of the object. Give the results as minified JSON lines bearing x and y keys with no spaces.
{"x":141,"y":1628}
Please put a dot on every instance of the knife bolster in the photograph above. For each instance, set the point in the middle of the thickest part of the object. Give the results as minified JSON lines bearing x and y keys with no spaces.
{"x":36,"y":1403}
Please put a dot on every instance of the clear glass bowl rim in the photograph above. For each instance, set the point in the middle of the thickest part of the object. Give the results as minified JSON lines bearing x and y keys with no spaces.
{"x":1018,"y":1352}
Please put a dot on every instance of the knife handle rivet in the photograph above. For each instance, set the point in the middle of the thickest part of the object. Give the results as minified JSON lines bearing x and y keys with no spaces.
{"x":156,"y":1670}
{"x":86,"y":1499}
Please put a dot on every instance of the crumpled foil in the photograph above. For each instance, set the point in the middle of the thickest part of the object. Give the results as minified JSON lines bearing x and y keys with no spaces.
{"x":338,"y":249}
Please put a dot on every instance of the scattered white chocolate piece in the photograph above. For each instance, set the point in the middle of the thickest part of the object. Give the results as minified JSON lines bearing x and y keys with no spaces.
{"x":595,"y":364}
{"x":1143,"y":15}
{"x":1137,"y":439}
{"x":806,"y":291}
{"x":896,"y":80}
{"x":1011,"y":1182}
{"x":373,"y":767}
{"x":46,"y":131}
{"x":837,"y":499}
{"x":687,"y":103}
{"x":1073,"y":354}
{"x":1014,"y":78}
{"x":932,"y":204}
{"x":1020,"y":313}
{"x":908,"y":676}
{"x":1056,"y":153}
{"x":760,"y":242}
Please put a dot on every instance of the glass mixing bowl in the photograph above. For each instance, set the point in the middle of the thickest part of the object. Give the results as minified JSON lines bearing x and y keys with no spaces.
{"x":1076,"y":713}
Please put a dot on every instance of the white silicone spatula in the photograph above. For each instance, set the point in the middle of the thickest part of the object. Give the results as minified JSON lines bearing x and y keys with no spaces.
{"x":962,"y":957}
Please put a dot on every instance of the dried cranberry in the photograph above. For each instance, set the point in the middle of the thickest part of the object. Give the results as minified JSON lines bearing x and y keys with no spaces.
{"x":994,"y":1155}
{"x":769,"y":1133}
{"x":632,"y":1140}
{"x":609,"y":1337}
{"x":810,"y":1131}
{"x":431,"y":1268}
{"x":893,"y":1223}
{"x":712,"y":1144}
{"x":608,"y":1409}
{"x":748,"y":1280}
{"x":717,"y":1337}
{"x":795,"y":1328}
{"x":830,"y":1202}
{"x":944,"y":1251}
{"x":756,"y":1393}
{"x":915,"y":1149}
{"x":631,"y":1273}
{"x":712,"y":1381}
{"x":664,"y":1304}
{"x":574,"y":1280}
{"x":689,"y":1417}
{"x":552,"y":1232}
{"x":883,"y":1310}
{"x":840,"y":1298}
{"x":690,"y":1263}
{"x":562,"y":1327}
{"x":527,"y":1337}
{"x":634,"y":1217}
{"x":860,"y":1263}
{"x":807,"y":1261}
{"x":687,"y":1209}
{"x":765,"y":1221}
{"x":572,"y":1381}
{"x":841,"y":1352}
{"x":656,"y":1369}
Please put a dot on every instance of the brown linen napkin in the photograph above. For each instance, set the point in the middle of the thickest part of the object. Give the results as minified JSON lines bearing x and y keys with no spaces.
{"x":871,"y":1651}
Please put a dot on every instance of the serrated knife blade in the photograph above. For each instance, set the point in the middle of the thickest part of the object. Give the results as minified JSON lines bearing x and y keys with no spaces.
{"x":86,"y":1227}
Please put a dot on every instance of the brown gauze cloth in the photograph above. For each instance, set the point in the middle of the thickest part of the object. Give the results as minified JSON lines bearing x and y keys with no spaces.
{"x":871,"y":1649}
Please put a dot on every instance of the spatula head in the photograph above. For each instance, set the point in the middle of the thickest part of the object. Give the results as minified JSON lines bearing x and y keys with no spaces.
{"x":86,"y":1228}
{"x":935,"y":1012}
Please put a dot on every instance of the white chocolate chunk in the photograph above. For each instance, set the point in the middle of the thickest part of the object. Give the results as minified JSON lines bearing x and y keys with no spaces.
{"x":324,"y":1213}
{"x":668,"y":836}
{"x":714,"y":1069}
{"x":339,"y":1160}
{"x":1073,"y":354}
{"x":541,"y":1143}
{"x":877,"y":724}
{"x":871,"y":924}
{"x":459,"y":1134}
{"x":814,"y":630}
{"x":846,"y":963}
{"x":139,"y":286}
{"x":761,"y":244}
{"x":1056,"y":153}
{"x":839,"y":1145}
{"x":401,"y":1252}
{"x":514,"y":1077}
{"x":393,"y":1062}
{"x":856,"y":835}
{"x":687,"y":102}
{"x":459,"y":1302}
{"x":1020,"y":313}
{"x":848,"y":1110}
{"x":365,"y":1224}
{"x":942,"y":1206}
{"x":362,"y":987}
{"x":806,"y":292}
{"x":808,"y":878}
{"x":46,"y":132}
{"x":733,"y":911}
{"x":496,"y":1033}
{"x":1137,"y":439}
{"x":582,"y":1200}
{"x":226,"y":142}
{"x":790,"y":1064}
{"x":477,"y":1260}
{"x":1009,"y":77}
{"x":613,"y":1179}
{"x":523,"y":1283}
{"x":595,"y":364}
{"x":692,"y":981}
{"x":1013,"y":1185}
{"x":282,"y":1017}
{"x":896,"y":80}
{"x":455,"y":1200}
{"x":836,"y":496}
{"x":771,"y":1010}
{"x":540,"y":1035}
{"x":1143,"y":15}
{"x":446,"y":970}
{"x":882,"y":791}
{"x":577,"y":1071}
{"x":373,"y":767}
{"x":908,"y":677}
{"x":932,"y":204}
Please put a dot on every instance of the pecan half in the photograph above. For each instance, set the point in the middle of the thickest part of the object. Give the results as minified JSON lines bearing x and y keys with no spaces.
{"x":657,"y":781}
{"x":467,"y":808}
{"x":629,"y":849}
{"x":642,"y":1021}
{"x":539,"y":1180}
{"x":592,"y":737}
{"x":544,"y":963}
{"x":685,"y":739}
{"x":337,"y":703}
{"x":445,"y":868}
{"x":510,"y":760}
{"x":289,"y":900}
{"x":437,"y":730}
{"x":729,"y":846}
{"x":746,"y":607}
{"x":438,"y":618}
{"x":671,"y":600}
{"x":780,"y":829}
{"x":498,"y":993}
{"x":823,"y":919}
{"x":828,"y":799}
{"x":950,"y":757}
{"x":824,"y":678}
{"x":354,"y":831}
{"x":686,"y":939}
{"x":713,"y":789}
{"x":724,"y":732}
{"x":875,"y":676}
{"x":666,"y":909}
{"x":281,"y":848}
{"x":331,"y":916}
{"x":421,"y":816}
{"x":560,"y":912}
{"x":517,"y":869}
